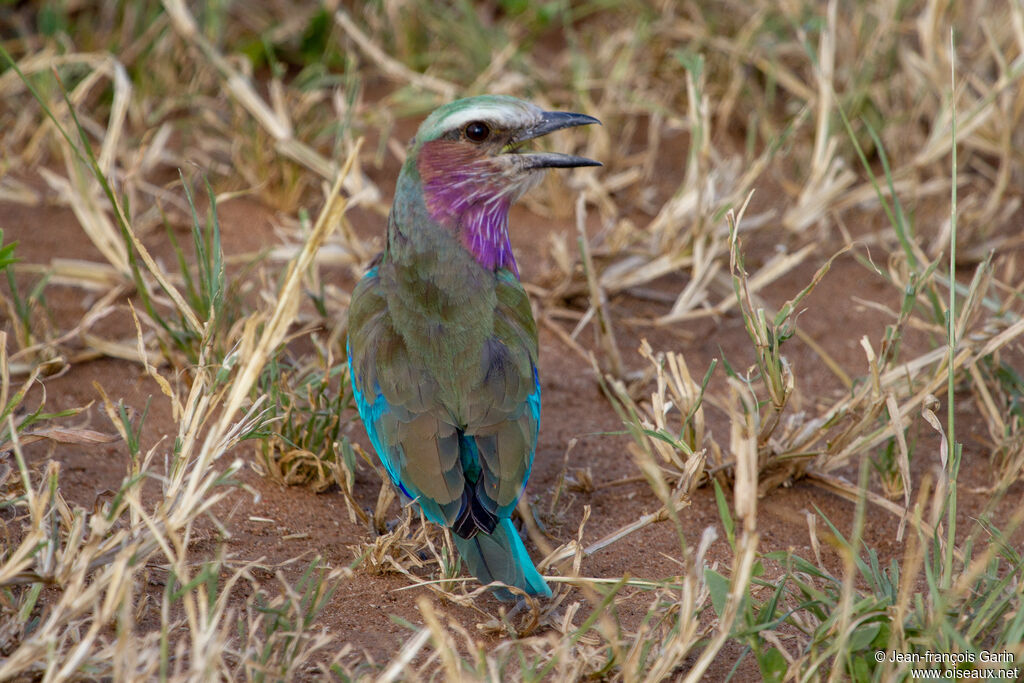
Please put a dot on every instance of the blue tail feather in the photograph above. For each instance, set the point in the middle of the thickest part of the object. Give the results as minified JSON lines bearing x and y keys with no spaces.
{"x":501,"y":556}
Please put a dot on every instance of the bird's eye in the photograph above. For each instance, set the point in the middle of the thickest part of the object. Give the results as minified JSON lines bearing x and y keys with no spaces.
{"x":477,"y":131}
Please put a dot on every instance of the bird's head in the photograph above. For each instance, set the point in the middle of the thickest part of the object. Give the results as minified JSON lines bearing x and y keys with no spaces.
{"x":470,"y":160}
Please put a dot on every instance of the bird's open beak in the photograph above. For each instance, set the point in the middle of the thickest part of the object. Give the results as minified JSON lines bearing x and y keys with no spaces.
{"x":552,"y":121}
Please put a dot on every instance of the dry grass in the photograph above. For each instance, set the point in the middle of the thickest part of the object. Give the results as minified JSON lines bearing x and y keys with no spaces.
{"x":779,"y":124}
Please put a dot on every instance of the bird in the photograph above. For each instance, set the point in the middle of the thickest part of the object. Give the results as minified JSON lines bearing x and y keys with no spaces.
{"x":442,"y":344}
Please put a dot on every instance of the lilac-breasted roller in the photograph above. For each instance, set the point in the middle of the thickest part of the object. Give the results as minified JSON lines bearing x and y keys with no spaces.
{"x":442,"y":345}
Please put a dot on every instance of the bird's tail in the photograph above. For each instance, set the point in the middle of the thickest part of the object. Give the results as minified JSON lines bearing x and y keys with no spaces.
{"x":501,"y":556}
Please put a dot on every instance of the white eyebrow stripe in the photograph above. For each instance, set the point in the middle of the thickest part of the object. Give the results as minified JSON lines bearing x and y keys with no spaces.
{"x":500,"y":115}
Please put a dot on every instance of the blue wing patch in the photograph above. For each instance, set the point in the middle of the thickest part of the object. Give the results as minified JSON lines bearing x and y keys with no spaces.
{"x":371,"y":414}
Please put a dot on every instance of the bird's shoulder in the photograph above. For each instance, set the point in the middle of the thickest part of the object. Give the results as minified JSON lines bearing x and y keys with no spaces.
{"x":513,"y":320}
{"x":379,"y":356}
{"x":367,"y":301}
